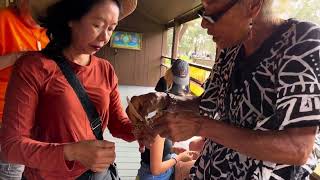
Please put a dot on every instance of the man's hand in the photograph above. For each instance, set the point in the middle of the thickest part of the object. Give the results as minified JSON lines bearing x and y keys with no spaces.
{"x":95,"y":155}
{"x":187,"y":156}
{"x":177,"y":126}
{"x":178,"y":150}
{"x":196,"y":144}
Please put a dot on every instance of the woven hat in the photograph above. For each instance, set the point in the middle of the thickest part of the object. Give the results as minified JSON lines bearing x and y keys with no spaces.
{"x":38,"y":8}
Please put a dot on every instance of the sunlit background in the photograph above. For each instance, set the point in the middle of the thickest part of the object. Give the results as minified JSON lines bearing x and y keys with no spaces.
{"x":195,"y":46}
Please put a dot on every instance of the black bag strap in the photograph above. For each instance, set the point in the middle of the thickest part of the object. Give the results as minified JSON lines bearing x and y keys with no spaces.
{"x":88,"y":106}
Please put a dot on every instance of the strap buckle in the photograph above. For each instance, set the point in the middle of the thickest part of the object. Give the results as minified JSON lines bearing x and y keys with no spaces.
{"x":96,"y":123}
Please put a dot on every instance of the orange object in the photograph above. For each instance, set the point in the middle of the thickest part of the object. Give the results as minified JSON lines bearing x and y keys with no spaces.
{"x":16,"y":36}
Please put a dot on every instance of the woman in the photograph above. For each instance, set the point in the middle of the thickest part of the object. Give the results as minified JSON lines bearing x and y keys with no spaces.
{"x":158,"y":162}
{"x":260,"y":109}
{"x":176,"y":79}
{"x":45,"y":126}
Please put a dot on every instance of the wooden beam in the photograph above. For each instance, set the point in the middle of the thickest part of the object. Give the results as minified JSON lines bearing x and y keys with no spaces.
{"x":185,"y":17}
{"x":175,"y":41}
{"x":152,"y":18}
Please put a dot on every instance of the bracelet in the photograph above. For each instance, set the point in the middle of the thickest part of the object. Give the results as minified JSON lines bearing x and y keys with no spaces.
{"x":174,"y":160}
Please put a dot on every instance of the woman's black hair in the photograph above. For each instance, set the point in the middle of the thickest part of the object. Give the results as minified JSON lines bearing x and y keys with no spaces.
{"x":60,"y":14}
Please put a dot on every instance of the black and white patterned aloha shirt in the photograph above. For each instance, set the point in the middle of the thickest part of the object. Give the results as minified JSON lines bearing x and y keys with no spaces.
{"x":275,"y":88}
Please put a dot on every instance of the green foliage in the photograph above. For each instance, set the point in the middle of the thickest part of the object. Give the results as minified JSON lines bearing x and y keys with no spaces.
{"x":196,"y":40}
{"x":306,"y":10}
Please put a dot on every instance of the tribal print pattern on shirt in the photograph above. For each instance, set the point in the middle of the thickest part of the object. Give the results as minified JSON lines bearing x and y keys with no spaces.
{"x":274,"y":89}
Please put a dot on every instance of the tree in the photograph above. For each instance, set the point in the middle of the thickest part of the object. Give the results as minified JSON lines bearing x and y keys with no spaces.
{"x":196,"y":40}
{"x":306,"y":10}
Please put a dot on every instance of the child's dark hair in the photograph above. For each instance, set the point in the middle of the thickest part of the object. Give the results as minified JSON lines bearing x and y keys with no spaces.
{"x":60,"y":14}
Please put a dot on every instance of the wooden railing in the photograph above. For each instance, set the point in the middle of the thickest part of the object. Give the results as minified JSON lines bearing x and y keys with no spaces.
{"x":198,"y":74}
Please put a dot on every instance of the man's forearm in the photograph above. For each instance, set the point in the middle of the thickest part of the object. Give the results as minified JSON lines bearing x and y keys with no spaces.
{"x":9,"y":59}
{"x":291,"y":146}
{"x":185,"y":103}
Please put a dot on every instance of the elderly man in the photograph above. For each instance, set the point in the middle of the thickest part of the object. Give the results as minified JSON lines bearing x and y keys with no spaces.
{"x":18,"y":33}
{"x":260,"y":109}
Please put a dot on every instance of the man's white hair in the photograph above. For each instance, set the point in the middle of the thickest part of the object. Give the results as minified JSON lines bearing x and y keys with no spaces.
{"x":267,"y":7}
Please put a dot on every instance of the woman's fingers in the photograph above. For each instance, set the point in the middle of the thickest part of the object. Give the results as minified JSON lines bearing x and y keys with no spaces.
{"x":100,"y":168}
{"x":106,"y":158}
{"x":104,"y":144}
{"x":94,"y":154}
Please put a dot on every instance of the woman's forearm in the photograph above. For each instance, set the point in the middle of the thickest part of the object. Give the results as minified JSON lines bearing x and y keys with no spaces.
{"x":164,"y":166}
{"x":291,"y":146}
{"x":29,"y":152}
{"x":157,"y":166}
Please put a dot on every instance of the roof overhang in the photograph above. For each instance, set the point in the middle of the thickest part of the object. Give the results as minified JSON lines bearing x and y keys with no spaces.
{"x":169,"y":12}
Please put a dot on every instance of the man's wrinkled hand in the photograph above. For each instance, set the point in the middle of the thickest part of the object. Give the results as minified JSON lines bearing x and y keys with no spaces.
{"x":178,"y":126}
{"x":178,"y":150}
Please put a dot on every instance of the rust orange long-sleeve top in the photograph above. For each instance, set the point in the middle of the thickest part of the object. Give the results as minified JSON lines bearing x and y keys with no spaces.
{"x":42,"y":112}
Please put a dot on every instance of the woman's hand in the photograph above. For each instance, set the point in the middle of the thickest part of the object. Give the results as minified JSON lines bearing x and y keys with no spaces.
{"x":139,"y":107}
{"x":145,"y":138}
{"x":187,"y":156}
{"x":147,"y":103}
{"x":95,"y":155}
{"x":178,"y":126}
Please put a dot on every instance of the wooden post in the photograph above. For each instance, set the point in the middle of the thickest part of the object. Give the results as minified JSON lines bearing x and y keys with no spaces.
{"x":176,"y":36}
{"x":10,"y":2}
{"x":164,"y":51}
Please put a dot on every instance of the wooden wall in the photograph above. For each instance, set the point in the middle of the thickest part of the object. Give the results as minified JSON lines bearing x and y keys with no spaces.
{"x":2,"y":3}
{"x":141,"y":67}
